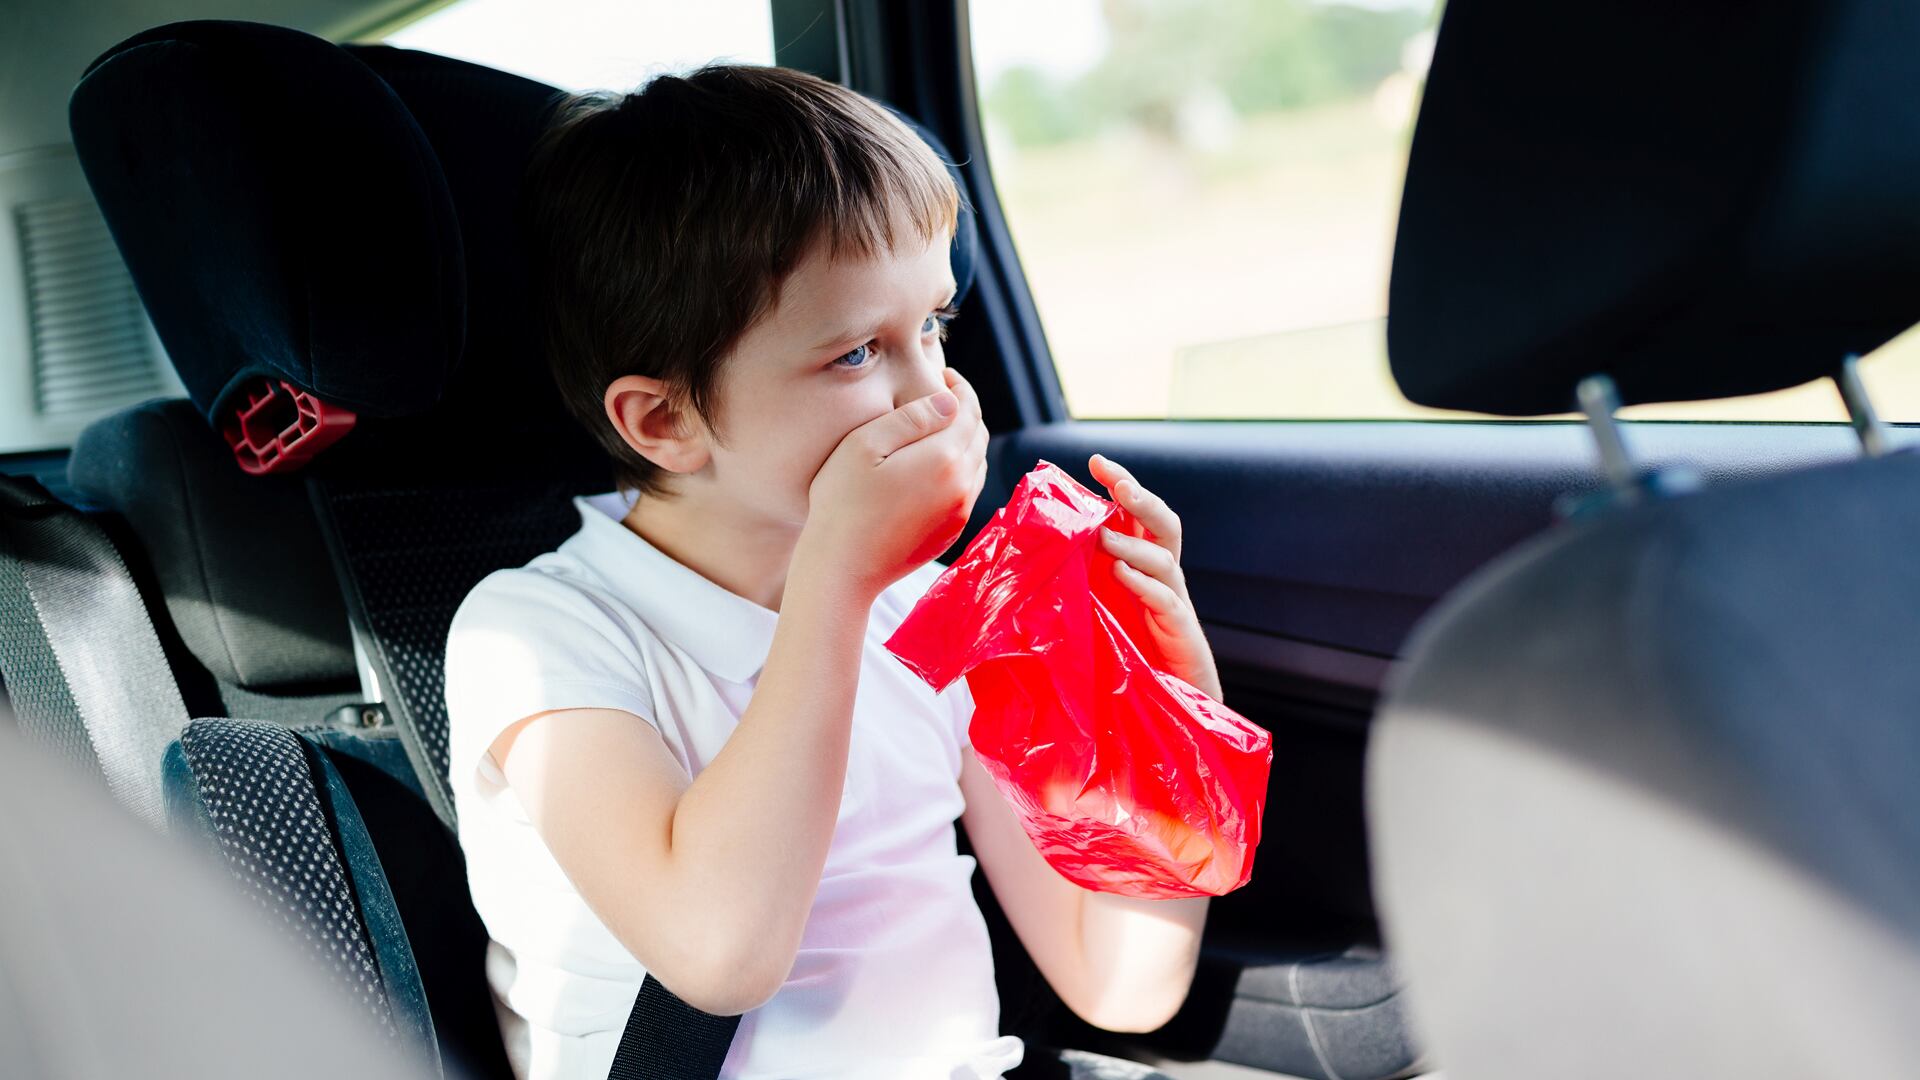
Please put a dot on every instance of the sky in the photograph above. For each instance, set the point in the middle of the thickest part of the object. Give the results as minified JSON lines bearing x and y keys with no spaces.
{"x":595,"y":44}
{"x":618,"y":44}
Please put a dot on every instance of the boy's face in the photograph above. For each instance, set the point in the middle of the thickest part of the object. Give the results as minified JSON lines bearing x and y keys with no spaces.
{"x":850,"y":340}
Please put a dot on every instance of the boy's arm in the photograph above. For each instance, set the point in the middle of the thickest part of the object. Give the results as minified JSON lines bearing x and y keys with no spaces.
{"x":707,"y":881}
{"x":1119,"y":963}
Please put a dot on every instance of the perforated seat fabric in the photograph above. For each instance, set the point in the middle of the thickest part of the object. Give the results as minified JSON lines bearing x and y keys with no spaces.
{"x":42,"y":705}
{"x":130,"y":956}
{"x":254,"y":789}
{"x":108,"y":700}
{"x":277,"y":811}
{"x":413,"y":554}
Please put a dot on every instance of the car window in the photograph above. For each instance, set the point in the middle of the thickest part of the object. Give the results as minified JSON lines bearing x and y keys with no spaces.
{"x":75,"y":342}
{"x":593,"y":44}
{"x":1203,"y":195}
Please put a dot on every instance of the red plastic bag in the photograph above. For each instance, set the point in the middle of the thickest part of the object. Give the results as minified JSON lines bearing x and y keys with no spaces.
{"x":1127,"y":779}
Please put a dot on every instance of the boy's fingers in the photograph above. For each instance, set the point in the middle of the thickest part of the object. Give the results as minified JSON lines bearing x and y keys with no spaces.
{"x":977,"y":484}
{"x":1159,"y":599}
{"x":918,"y":420}
{"x":1145,"y":556}
{"x":963,"y":390}
{"x":910,"y":423}
{"x":1152,"y":511}
{"x":967,"y":427}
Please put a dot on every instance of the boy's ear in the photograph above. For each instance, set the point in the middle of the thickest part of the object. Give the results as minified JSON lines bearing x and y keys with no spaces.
{"x":644,"y":414}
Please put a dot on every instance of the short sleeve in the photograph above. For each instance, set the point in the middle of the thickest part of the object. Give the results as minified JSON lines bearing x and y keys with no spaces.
{"x":960,"y":695}
{"x":525,"y":642}
{"x":899,"y":601}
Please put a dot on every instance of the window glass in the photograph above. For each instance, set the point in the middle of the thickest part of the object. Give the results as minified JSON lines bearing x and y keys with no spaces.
{"x":1203,"y":196}
{"x":594,"y":44}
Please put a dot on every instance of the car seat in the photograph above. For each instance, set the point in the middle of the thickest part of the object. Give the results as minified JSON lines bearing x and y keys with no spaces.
{"x":325,"y":237}
{"x":337,"y":221}
{"x":1641,"y":792}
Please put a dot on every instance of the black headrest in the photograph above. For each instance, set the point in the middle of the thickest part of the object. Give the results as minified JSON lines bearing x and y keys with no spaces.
{"x":966,"y":231}
{"x":342,"y":218}
{"x":1701,"y":199}
{"x":481,"y":124}
{"x":280,"y":213}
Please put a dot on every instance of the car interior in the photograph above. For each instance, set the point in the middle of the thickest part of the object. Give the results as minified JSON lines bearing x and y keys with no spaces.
{"x":1587,"y":733}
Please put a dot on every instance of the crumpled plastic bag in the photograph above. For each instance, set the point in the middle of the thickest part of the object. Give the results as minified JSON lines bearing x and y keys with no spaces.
{"x":1127,"y":779}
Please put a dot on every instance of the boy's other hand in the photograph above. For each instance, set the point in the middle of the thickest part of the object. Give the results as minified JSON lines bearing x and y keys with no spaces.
{"x":897,"y":490}
{"x":1148,"y":564}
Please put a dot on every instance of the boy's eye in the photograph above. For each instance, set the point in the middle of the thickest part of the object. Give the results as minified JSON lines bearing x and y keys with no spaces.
{"x":856,"y":358}
{"x":939,"y":320}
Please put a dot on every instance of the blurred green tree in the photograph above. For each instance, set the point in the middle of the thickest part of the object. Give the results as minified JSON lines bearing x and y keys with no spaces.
{"x":1263,"y":55}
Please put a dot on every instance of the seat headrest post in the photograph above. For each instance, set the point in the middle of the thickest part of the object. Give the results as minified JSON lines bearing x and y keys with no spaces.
{"x":1599,"y":398}
{"x":1628,"y":482}
{"x":1866,"y":422}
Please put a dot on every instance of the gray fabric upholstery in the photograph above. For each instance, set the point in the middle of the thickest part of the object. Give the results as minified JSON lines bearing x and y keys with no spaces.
{"x":1083,"y":1065}
{"x":43,"y":706}
{"x":359,"y":869}
{"x":123,"y":954}
{"x":1323,"y":1014}
{"x":257,"y":791}
{"x":1643,"y":797}
{"x":1316,"y":1010}
{"x":88,"y":611}
{"x":238,"y":559}
{"x":413,"y":553}
{"x":298,"y":710}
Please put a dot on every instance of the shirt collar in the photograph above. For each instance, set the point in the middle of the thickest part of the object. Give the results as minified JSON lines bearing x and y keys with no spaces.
{"x":725,"y":633}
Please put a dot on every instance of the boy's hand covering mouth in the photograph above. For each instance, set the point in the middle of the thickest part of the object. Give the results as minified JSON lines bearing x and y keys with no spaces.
{"x":897,"y":490}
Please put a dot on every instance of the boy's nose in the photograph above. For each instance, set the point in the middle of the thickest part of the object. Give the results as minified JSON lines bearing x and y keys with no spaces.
{"x":925,"y":377}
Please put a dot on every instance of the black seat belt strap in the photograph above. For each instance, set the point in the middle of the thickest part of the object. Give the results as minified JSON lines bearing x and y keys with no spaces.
{"x":667,"y":1039}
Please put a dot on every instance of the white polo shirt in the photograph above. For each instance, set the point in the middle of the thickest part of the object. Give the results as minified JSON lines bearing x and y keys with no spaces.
{"x":894,"y":977}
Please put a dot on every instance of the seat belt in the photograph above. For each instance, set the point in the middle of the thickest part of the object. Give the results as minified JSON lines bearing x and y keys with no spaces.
{"x":85,"y":671}
{"x":665,"y":1038}
{"x":70,"y":602}
{"x":668,"y":1039}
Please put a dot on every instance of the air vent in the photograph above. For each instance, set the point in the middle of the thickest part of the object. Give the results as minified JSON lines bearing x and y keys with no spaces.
{"x":92,"y":349}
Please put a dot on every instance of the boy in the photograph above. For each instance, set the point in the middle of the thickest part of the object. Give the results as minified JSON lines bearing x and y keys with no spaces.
{"x":678,"y":745}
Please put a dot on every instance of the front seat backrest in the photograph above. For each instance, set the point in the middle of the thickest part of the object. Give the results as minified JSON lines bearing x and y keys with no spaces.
{"x":1641,"y":794}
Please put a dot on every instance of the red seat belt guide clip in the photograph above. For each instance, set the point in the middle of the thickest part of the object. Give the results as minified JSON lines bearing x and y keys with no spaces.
{"x":276,"y":427}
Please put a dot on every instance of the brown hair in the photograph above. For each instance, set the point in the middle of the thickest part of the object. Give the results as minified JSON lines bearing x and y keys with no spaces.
{"x":660,"y":224}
